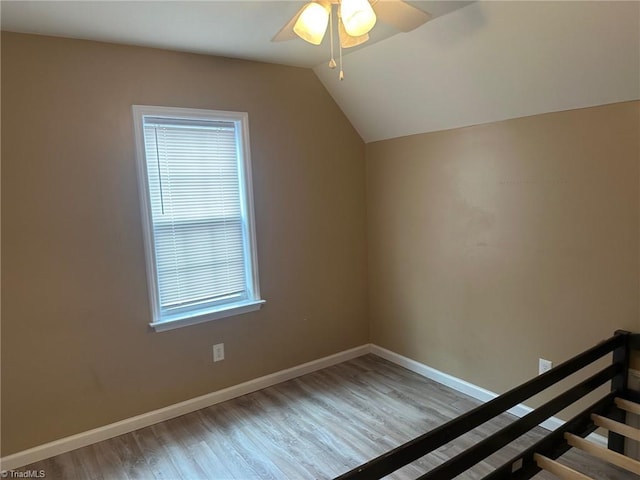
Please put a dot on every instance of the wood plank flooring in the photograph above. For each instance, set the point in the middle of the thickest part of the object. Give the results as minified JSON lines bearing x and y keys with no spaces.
{"x":314,"y":427}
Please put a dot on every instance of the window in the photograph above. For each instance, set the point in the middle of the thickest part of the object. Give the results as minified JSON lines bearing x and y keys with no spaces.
{"x":194,"y":174}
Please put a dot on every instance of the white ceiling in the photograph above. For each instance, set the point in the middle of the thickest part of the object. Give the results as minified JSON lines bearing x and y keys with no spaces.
{"x":492,"y":61}
{"x":473,"y":63}
{"x":235,"y":28}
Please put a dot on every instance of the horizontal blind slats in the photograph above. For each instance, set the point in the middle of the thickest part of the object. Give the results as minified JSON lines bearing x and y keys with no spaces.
{"x":194,"y":189}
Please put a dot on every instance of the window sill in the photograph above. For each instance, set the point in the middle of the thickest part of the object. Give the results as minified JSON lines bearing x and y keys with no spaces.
{"x":214,"y":314}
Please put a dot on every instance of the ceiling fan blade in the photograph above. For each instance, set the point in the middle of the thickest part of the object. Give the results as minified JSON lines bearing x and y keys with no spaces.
{"x":399,"y":14}
{"x":286,"y":32}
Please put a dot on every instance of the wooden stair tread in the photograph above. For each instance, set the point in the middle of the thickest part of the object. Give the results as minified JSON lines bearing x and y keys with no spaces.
{"x":602,"y":453}
{"x":558,"y":469}
{"x":616,"y":427}
{"x":628,"y":406}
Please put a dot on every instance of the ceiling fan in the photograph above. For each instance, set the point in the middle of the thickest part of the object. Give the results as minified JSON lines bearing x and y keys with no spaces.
{"x":355,"y":20}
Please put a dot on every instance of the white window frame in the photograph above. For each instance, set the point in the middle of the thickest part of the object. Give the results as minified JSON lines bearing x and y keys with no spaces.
{"x":253,"y":301}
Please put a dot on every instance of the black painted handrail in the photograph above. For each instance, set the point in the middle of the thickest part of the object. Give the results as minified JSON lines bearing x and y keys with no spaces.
{"x":523,"y":466}
{"x":426,"y":443}
{"x":495,"y":442}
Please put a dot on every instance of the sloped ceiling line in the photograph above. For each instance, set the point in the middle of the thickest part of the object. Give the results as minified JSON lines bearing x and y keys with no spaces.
{"x":492,"y":61}
{"x":474,"y":62}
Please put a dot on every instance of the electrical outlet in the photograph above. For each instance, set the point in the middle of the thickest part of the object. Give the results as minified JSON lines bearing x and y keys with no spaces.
{"x":544,"y":365}
{"x":218,"y":352}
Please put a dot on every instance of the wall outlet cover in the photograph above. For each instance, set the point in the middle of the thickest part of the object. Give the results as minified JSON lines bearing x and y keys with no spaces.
{"x":218,"y":352}
{"x":544,"y":365}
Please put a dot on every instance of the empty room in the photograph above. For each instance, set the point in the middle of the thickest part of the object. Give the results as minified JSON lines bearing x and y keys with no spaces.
{"x":324,"y":239}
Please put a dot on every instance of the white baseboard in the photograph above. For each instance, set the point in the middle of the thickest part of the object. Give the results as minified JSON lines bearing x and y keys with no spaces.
{"x":128,"y":425}
{"x":467,"y":388}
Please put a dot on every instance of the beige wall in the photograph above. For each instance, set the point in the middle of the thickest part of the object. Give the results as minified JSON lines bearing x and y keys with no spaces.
{"x":494,"y":245}
{"x":489,"y":246}
{"x":76,"y":349}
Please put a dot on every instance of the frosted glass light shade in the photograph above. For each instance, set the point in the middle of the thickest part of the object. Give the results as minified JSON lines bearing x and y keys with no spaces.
{"x":358,"y":16}
{"x":312,"y":23}
{"x":347,"y":41}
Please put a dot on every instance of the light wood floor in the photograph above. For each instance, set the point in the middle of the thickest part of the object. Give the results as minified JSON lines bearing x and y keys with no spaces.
{"x":314,"y":427}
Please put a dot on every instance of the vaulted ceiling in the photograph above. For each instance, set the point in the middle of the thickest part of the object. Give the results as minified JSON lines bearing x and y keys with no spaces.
{"x":231,"y":28}
{"x":492,"y":61}
{"x":474,"y":62}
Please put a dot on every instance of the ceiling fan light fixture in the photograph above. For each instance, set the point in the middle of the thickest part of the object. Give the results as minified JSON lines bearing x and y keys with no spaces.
{"x":357,"y":16}
{"x":312,"y":23}
{"x":347,"y":41}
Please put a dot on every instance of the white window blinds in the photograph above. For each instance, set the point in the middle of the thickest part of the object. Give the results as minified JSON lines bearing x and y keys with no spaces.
{"x":195,"y":195}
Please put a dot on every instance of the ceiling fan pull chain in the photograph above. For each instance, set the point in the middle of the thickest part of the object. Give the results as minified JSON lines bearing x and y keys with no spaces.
{"x":332,"y":62}
{"x":340,"y":46}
